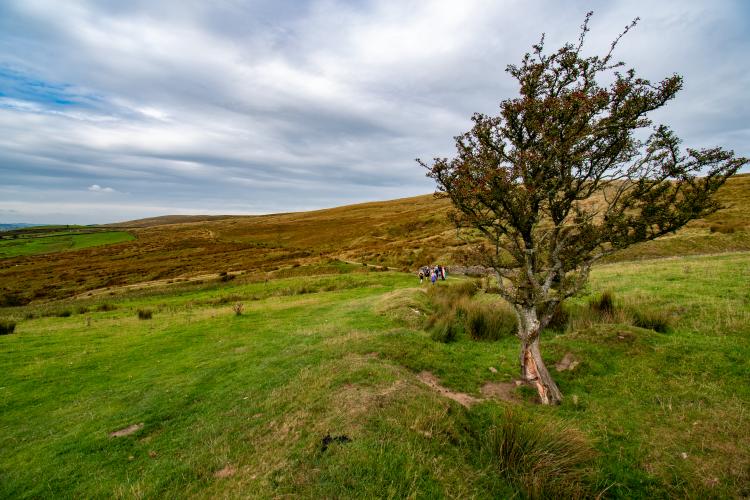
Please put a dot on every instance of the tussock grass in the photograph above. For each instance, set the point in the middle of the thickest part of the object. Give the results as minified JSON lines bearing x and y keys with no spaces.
{"x":543,"y":456}
{"x":145,"y":314}
{"x":7,"y":327}
{"x":637,"y":311}
{"x":457,"y":312}
{"x":658,"y":320}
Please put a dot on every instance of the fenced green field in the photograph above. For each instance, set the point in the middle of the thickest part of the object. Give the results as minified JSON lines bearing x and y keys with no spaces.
{"x":29,"y":242}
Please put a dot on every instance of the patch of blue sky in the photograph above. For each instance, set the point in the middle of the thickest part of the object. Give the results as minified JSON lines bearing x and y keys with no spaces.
{"x":18,"y":86}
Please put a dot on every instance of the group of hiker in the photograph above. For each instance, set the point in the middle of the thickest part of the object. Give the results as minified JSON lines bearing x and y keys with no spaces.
{"x":433,"y":273}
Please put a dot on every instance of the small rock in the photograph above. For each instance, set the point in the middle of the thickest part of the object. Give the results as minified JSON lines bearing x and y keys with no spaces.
{"x":152,"y":454}
{"x":127,"y":430}
{"x":568,"y":362}
{"x":493,"y":369}
{"x":684,"y":455}
{"x":225,"y":472}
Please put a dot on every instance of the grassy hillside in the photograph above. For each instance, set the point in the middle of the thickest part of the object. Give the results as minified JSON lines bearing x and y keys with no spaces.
{"x":403,"y":234}
{"x":328,"y":387}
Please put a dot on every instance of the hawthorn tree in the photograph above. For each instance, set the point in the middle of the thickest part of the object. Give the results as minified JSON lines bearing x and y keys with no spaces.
{"x":562,"y":177}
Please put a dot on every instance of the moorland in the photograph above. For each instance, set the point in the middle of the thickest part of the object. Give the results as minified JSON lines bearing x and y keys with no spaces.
{"x":297,"y":355}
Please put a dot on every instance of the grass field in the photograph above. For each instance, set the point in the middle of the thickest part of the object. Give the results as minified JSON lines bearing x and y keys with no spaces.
{"x":315,"y":390}
{"x":33,"y":243}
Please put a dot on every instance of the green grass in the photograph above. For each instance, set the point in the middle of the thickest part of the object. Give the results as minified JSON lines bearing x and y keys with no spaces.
{"x":34,"y":244}
{"x":254,"y":395}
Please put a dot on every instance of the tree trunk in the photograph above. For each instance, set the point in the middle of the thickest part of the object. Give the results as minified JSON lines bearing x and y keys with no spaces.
{"x":533,"y":370}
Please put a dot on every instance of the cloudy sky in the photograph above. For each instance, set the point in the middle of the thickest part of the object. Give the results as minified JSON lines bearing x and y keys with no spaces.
{"x":114,"y":110}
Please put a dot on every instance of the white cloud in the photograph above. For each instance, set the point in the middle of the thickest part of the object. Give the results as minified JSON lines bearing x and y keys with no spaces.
{"x":263,"y":106}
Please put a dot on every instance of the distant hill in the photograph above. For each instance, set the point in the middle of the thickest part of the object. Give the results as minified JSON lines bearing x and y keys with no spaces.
{"x":10,"y":227}
{"x":404,"y":234}
{"x":167,"y":219}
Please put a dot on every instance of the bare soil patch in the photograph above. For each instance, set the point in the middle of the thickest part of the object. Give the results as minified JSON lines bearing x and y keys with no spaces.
{"x":127,"y":430}
{"x":505,"y":391}
{"x":461,"y":398}
{"x":227,"y":471}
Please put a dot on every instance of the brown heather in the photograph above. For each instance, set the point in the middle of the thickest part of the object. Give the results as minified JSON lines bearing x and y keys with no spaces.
{"x":403,"y":234}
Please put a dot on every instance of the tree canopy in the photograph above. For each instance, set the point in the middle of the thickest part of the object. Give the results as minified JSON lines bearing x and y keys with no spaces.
{"x":562,"y":177}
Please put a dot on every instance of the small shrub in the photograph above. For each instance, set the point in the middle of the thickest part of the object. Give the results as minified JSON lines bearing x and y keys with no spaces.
{"x":604,"y":305}
{"x":145,"y":314}
{"x":106,"y":307}
{"x":238,"y":308}
{"x":82,"y":310}
{"x":659,"y":320}
{"x":544,"y":459}
{"x":7,"y":327}
{"x":446,"y":330}
{"x":63,"y":313}
{"x":227,"y":277}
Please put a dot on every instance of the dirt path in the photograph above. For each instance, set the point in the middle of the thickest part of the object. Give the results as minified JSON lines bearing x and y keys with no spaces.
{"x":504,"y":391}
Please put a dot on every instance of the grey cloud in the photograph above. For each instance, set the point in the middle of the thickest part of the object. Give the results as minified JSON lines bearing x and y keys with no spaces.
{"x":266,"y":106}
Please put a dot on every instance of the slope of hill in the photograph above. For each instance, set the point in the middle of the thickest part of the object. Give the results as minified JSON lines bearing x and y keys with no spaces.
{"x":404,"y":234}
{"x":329,"y":387}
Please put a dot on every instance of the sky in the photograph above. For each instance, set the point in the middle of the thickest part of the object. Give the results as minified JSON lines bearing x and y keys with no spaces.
{"x":113,"y":111}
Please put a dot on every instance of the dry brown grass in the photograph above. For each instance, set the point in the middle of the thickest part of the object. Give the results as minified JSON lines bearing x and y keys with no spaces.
{"x":402,"y":234}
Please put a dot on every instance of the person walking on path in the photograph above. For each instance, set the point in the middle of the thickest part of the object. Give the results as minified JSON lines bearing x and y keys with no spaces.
{"x":433,"y":277}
